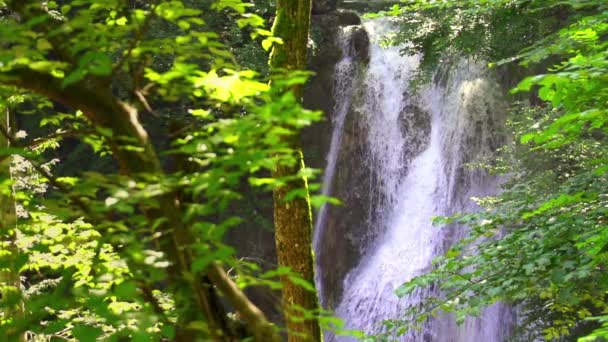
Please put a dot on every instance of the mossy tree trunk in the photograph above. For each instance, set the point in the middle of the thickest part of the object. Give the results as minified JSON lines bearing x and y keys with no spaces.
{"x":9,"y":278}
{"x":293,"y":219}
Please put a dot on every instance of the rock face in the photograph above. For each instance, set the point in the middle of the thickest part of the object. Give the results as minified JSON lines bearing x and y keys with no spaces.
{"x":346,"y":18}
{"x":337,"y":253}
{"x":360,"y":44}
{"x":323,"y":57}
{"x":351,"y":228}
{"x":323,"y":6}
{"x":340,"y":250}
{"x":415,"y":125}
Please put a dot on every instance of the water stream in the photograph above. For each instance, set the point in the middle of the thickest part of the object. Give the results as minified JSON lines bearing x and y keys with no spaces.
{"x":418,"y":146}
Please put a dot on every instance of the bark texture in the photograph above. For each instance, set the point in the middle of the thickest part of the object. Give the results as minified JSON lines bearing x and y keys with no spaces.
{"x":293,"y":219}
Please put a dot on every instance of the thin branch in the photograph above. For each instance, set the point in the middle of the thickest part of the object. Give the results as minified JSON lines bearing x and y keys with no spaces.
{"x":139,"y":35}
{"x":102,"y":108}
{"x":58,"y":135}
{"x":142,"y":99}
{"x":263,"y":330}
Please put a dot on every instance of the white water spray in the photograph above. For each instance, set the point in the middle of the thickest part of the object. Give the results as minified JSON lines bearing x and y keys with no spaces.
{"x":418,"y":147}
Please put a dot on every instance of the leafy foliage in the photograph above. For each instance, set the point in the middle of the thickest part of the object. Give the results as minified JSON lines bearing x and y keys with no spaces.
{"x":540,"y":245}
{"x":495,"y":30}
{"x":130,"y":253}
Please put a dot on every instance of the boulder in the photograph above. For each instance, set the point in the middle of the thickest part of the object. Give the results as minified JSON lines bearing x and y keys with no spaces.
{"x":415,"y":125}
{"x":347,"y":18}
{"x":324,"y":6}
{"x":360,"y":44}
{"x":318,"y":92}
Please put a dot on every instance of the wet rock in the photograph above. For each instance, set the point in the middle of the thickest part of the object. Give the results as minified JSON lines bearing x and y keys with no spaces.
{"x":341,"y":247}
{"x":347,"y":18}
{"x":319,"y":89}
{"x":324,"y":6}
{"x":347,"y":233}
{"x":359,"y":43}
{"x":415,"y":125}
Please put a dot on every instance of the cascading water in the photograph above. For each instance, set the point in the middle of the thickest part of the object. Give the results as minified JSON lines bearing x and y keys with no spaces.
{"x":343,"y":89}
{"x":417,"y":147}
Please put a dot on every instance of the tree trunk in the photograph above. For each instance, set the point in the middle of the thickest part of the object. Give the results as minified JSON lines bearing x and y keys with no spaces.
{"x":9,"y":278}
{"x":293,"y":219}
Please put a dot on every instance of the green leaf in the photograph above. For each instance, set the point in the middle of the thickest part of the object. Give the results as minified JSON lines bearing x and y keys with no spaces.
{"x":73,"y":77}
{"x":96,"y":63}
{"x":86,"y":333}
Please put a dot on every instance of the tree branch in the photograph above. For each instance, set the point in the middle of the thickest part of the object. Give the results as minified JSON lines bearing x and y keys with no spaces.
{"x":263,"y":330}
{"x":102,"y":109}
{"x":138,"y":37}
{"x":105,"y":111}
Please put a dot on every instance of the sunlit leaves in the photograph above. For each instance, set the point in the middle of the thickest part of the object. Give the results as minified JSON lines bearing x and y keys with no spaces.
{"x":233,"y":87}
{"x":236,"y":5}
{"x":174,"y":10}
{"x":92,"y":62}
{"x":95,"y":244}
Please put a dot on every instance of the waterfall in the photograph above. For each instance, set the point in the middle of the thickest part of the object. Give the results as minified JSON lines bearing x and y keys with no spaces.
{"x":417,"y":148}
{"x":343,"y":91}
{"x":345,"y":71}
